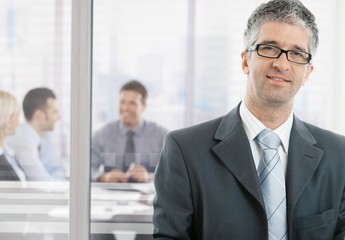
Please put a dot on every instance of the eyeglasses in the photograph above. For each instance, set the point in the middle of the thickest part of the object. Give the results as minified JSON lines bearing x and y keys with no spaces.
{"x":270,"y":51}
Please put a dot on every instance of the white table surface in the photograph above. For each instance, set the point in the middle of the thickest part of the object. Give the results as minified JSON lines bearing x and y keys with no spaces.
{"x":42,"y":208}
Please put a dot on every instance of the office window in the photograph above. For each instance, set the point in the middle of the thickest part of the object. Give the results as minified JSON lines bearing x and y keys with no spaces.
{"x":187,"y":53}
{"x":145,"y":41}
{"x":35,"y":49}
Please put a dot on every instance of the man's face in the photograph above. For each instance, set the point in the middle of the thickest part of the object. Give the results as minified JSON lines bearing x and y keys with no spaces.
{"x":51,"y":115}
{"x":131,"y":108}
{"x":275,"y":82}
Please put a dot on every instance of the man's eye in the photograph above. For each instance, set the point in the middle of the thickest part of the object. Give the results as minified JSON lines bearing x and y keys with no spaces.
{"x":268,"y":48}
{"x":297,"y":53}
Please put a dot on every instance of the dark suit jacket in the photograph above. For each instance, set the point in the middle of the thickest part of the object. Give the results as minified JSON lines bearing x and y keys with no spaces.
{"x":207,"y":185}
{"x":7,"y":173}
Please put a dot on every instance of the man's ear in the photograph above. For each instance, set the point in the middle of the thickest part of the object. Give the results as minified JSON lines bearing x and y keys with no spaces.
{"x":245,"y":68}
{"x":38,"y":114}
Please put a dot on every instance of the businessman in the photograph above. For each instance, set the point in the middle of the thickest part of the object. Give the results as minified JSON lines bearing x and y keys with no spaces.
{"x":127,"y":149}
{"x":258,"y":172}
{"x":31,"y":142}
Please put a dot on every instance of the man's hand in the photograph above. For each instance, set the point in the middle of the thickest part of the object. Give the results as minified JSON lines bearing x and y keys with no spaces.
{"x":138,"y":173}
{"x":114,"y":176}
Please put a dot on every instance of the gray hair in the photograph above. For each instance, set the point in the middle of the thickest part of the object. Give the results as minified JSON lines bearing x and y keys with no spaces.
{"x":286,"y":11}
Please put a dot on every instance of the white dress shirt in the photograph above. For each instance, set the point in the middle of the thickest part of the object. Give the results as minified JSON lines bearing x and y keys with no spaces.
{"x":253,"y":127}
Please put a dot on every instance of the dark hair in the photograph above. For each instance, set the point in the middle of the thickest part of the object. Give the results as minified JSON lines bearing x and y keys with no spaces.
{"x":136,"y":86}
{"x":287,"y":11}
{"x":36,"y":99}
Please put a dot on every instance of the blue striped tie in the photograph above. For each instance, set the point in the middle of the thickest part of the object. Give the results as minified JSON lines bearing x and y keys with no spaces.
{"x":272,"y":180}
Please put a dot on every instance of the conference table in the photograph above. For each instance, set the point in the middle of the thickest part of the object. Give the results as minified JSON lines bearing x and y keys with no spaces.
{"x":40,"y":211}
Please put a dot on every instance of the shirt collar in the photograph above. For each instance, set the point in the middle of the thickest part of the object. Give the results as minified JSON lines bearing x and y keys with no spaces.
{"x":32,"y":133}
{"x":137,"y":130}
{"x":6,"y":150}
{"x":253,"y":126}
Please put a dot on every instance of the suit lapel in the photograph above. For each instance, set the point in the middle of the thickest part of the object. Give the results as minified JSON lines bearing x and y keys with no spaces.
{"x":7,"y":173}
{"x":303,"y":159}
{"x":234,"y":151}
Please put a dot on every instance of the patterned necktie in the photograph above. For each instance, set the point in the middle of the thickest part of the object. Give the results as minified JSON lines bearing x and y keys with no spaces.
{"x":272,"y":180}
{"x":130,"y":149}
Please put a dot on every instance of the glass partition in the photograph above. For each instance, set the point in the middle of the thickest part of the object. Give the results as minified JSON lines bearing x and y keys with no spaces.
{"x":35,"y":49}
{"x":144,"y":41}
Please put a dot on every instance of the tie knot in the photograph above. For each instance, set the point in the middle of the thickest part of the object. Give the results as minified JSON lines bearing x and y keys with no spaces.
{"x":268,"y":139}
{"x":130,"y":133}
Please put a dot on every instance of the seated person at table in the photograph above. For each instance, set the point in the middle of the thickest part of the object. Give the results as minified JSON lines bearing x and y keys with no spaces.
{"x":31,"y":142}
{"x":127,"y":149}
{"x":9,"y":113}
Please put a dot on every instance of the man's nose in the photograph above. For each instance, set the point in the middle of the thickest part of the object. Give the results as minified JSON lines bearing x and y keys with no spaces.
{"x":282,"y":62}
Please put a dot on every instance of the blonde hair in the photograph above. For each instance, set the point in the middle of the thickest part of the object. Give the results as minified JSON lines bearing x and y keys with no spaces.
{"x":8,"y":107}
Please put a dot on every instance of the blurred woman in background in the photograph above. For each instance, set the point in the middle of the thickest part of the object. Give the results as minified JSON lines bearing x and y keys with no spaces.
{"x":9,"y":119}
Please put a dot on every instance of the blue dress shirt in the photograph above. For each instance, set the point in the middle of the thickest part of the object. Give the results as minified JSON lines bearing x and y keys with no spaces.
{"x":36,"y":155}
{"x":108,"y":146}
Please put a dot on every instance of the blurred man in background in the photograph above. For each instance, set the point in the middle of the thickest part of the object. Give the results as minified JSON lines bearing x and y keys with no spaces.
{"x":31,"y":142}
{"x":127,"y":149}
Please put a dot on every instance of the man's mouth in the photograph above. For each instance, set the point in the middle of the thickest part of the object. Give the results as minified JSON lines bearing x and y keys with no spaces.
{"x":278,"y":79}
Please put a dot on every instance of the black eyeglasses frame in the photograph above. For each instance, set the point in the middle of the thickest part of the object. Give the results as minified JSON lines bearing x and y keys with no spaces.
{"x":257,"y":46}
